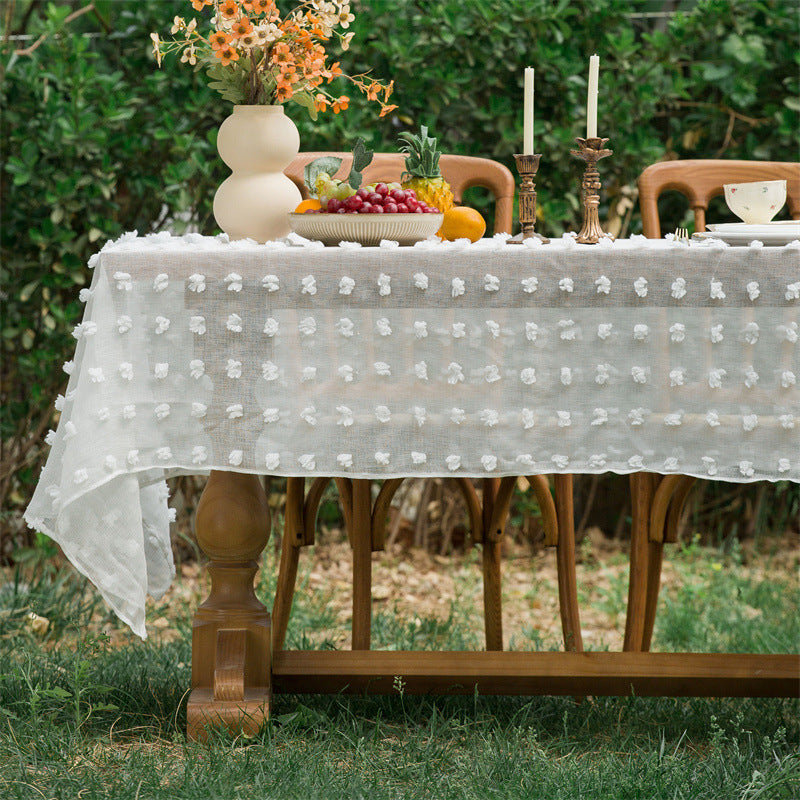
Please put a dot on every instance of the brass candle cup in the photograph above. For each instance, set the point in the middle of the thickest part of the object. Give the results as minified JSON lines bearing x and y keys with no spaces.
{"x":591,"y":150}
{"x":527,"y":167}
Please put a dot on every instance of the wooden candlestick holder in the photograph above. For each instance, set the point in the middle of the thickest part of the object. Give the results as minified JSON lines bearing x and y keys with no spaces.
{"x":591,"y":151}
{"x":527,"y":166}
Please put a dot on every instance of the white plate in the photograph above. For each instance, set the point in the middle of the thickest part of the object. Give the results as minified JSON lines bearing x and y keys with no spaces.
{"x":366,"y":229}
{"x":739,"y":233}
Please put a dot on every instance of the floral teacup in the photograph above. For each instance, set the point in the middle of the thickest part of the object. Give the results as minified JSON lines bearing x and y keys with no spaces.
{"x":755,"y":203}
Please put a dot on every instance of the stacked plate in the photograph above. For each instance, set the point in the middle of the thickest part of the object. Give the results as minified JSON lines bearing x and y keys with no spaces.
{"x":772,"y":234}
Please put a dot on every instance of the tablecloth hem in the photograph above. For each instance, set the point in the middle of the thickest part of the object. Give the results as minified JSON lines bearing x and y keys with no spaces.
{"x":38,"y":524}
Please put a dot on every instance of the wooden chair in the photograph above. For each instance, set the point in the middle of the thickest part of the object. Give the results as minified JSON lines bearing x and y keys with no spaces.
{"x":461,"y":172}
{"x":657,"y":501}
{"x":365,"y":519}
{"x":702,"y":179}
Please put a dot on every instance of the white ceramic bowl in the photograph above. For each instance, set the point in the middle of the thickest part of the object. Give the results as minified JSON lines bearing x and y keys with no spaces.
{"x":366,"y":229}
{"x":755,"y":203}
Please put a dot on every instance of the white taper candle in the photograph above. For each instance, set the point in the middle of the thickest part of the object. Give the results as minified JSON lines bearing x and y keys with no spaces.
{"x":591,"y":100}
{"x":527,"y":133}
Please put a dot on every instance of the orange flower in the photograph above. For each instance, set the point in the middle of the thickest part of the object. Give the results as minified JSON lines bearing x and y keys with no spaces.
{"x":198,"y":5}
{"x":386,"y":110}
{"x":229,"y":9}
{"x":372,"y":91}
{"x":316,"y":27}
{"x":226,"y":55}
{"x":281,"y":54}
{"x":283,"y":92}
{"x":263,"y":6}
{"x":241,"y":27}
{"x":340,"y":104}
{"x":288,"y":75}
{"x":290,"y":27}
{"x":334,"y":71}
{"x":219,"y":39}
{"x":304,"y":39}
{"x":247,"y":5}
{"x":321,"y":102}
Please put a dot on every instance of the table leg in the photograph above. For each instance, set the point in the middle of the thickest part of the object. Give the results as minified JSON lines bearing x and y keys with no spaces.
{"x":231,"y":681}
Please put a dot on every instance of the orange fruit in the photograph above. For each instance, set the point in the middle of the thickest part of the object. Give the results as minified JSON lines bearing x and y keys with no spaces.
{"x":308,"y":205}
{"x":462,"y":222}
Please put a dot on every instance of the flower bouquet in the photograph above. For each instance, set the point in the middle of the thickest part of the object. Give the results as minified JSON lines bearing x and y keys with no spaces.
{"x":255,"y":56}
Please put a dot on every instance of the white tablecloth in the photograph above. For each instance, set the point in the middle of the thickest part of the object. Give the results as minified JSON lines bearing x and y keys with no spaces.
{"x":442,"y":359}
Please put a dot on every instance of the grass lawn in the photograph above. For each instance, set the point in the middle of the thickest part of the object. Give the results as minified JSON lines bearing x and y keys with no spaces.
{"x":89,"y":711}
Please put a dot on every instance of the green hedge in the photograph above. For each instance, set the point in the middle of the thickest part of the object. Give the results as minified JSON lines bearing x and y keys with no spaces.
{"x":97,"y":140}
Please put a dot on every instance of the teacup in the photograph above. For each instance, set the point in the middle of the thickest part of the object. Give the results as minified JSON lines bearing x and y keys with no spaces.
{"x":755,"y":203}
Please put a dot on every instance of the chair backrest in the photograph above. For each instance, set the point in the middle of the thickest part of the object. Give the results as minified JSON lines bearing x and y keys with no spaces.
{"x":461,"y":172}
{"x":702,"y":179}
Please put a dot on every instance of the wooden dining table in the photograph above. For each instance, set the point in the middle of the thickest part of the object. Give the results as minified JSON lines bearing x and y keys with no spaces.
{"x":662,"y":360}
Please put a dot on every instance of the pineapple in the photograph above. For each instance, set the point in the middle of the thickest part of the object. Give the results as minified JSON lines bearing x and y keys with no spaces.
{"x":422,"y":170}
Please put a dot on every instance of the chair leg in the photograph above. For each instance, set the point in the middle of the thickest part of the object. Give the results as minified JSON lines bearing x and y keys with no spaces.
{"x":492,"y":594}
{"x":362,"y":564}
{"x":547,"y":508}
{"x":565,"y":557}
{"x":290,"y":555}
{"x":492,"y":561}
{"x":667,"y":505}
{"x":642,"y":490}
{"x":655,"y":554}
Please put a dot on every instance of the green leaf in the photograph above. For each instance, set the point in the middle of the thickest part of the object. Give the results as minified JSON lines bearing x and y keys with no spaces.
{"x":362,"y":158}
{"x":745,"y":49}
{"x":27,"y":290}
{"x":105,"y":707}
{"x":305,"y":100}
{"x":312,"y":171}
{"x":57,"y":693}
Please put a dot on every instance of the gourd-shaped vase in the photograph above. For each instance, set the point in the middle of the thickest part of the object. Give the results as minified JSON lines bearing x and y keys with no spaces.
{"x":257,"y":143}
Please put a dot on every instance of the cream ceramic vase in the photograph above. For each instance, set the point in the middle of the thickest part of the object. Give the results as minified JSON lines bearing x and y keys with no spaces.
{"x":257,"y":143}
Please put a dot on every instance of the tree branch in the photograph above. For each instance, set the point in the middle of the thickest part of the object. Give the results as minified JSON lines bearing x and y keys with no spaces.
{"x":74,"y":15}
{"x":754,"y":121}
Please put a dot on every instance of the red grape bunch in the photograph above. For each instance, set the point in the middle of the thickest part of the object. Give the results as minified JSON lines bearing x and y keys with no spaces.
{"x":377,"y":199}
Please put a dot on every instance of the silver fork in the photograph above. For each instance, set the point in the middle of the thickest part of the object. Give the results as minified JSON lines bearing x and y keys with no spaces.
{"x":682,"y":235}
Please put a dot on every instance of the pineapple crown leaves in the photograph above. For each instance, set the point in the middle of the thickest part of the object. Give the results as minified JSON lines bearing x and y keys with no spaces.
{"x":330,"y":165}
{"x":422,"y":157}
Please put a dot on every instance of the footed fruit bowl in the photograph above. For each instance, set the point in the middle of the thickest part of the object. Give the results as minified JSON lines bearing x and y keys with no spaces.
{"x":366,"y":229}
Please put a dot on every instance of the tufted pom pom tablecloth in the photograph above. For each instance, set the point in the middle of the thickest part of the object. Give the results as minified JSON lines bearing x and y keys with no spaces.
{"x":441,"y":359}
